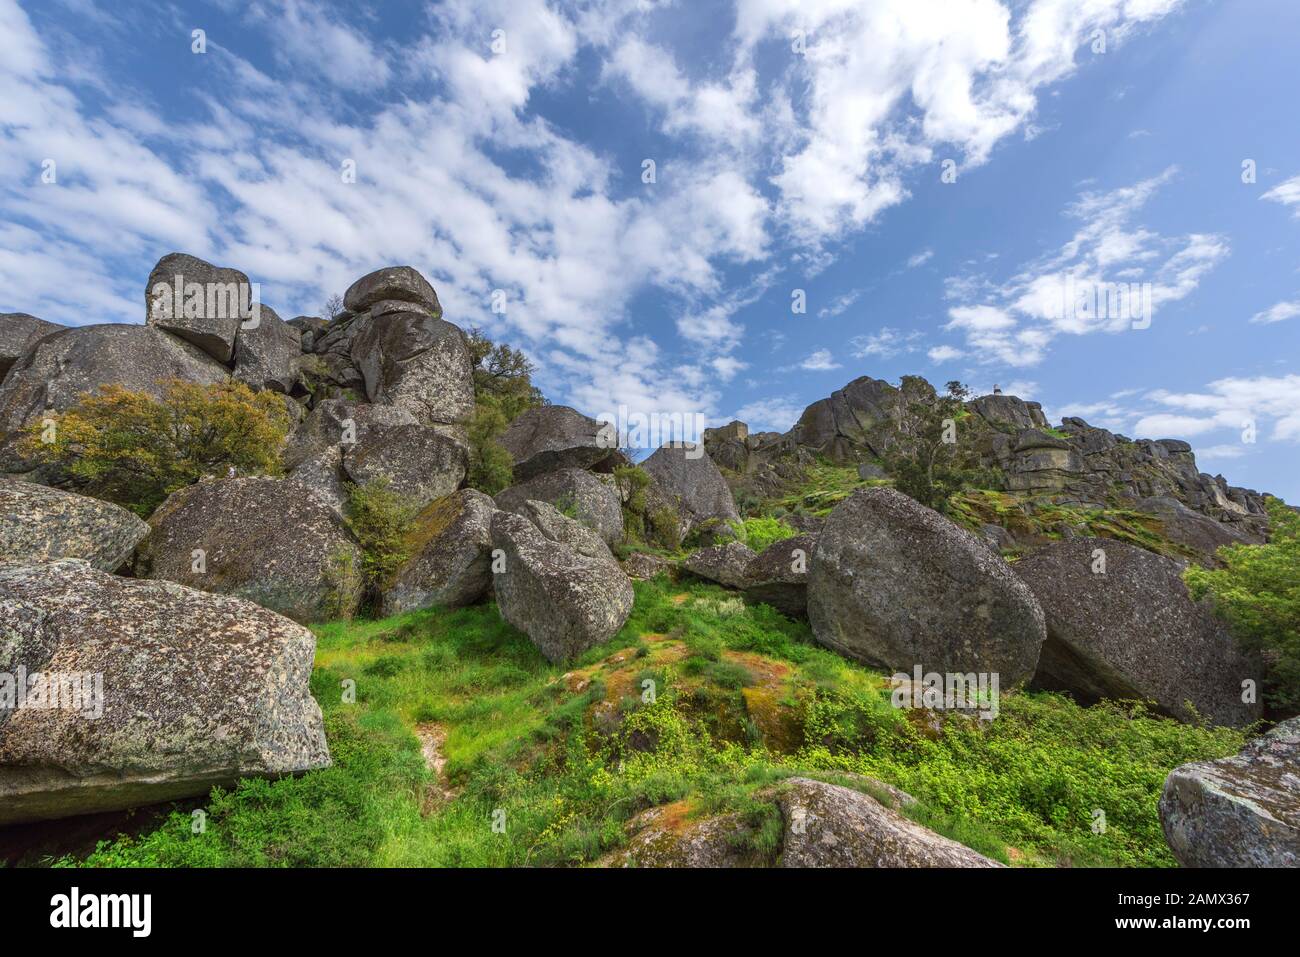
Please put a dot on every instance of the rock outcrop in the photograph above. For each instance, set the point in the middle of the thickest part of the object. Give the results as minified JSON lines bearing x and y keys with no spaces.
{"x":576,"y":492}
{"x":553,"y":437}
{"x":418,"y":463}
{"x":268,"y":353}
{"x":450,"y":564}
{"x":725,"y":564}
{"x":823,"y":826}
{"x":1121,"y":624}
{"x":415,"y":361}
{"x":827,"y":825}
{"x":18,"y":333}
{"x":1240,"y":811}
{"x":61,"y":367}
{"x":180,"y":691}
{"x":565,"y":601}
{"x":394,"y":284}
{"x":39,"y":524}
{"x":687,"y":477}
{"x":896,"y":585}
{"x":263,"y":539}
{"x":778,"y":576}
{"x":199,"y":302}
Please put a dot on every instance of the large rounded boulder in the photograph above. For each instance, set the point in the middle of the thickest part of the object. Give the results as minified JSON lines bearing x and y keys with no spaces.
{"x":450,"y":546}
{"x":417,"y":462}
{"x":1121,"y":624}
{"x":61,"y":367}
{"x":164,"y":692}
{"x":686,"y":476}
{"x":268,"y":353}
{"x":895,"y":584}
{"x":828,"y":825}
{"x":576,"y":492}
{"x":727,"y":564}
{"x":38,"y":524}
{"x":199,"y":302}
{"x":1240,"y":811}
{"x":565,"y":601}
{"x":18,"y":333}
{"x":416,"y":361}
{"x":779,"y":575}
{"x":270,"y":541}
{"x":552,"y":437}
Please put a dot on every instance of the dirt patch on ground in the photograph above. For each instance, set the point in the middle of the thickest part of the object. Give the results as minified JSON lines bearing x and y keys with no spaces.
{"x":433,"y":738}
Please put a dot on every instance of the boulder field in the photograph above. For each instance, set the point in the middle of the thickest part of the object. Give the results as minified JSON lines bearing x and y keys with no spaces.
{"x":193,"y":620}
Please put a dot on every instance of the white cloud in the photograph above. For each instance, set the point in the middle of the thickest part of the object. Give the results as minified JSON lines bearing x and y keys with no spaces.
{"x":1268,"y":405}
{"x":1278,"y":312}
{"x":819,"y":361}
{"x":920,"y":259}
{"x":885,"y":344}
{"x":839,"y":304}
{"x":941,"y":354}
{"x":1110,"y":276}
{"x":770,"y":415}
{"x":1287,"y":193}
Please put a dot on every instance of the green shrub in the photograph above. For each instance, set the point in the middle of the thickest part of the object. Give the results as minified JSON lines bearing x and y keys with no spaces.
{"x":491,"y":467}
{"x":380,"y":518}
{"x":1257,"y":591}
{"x":133,"y":449}
{"x":762,"y":532}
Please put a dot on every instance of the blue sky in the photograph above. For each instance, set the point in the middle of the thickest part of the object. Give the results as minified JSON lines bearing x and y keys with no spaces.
{"x":1095,"y":140}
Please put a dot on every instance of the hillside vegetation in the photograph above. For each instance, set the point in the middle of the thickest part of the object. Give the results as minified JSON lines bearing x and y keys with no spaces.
{"x":742,"y":697}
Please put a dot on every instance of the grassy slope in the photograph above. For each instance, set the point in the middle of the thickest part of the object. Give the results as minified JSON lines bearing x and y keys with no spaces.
{"x":742,"y":698}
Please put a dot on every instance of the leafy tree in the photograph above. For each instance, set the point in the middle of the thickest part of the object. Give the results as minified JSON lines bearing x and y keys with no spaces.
{"x":502,"y":376}
{"x":1257,"y":591}
{"x":931,"y":458}
{"x":134,"y":449}
{"x":503,"y":389}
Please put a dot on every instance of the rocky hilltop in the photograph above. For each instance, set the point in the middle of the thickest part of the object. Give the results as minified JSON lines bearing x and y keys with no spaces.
{"x":193,"y":620}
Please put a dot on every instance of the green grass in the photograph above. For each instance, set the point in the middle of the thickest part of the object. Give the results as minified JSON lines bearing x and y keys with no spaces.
{"x":742,"y":698}
{"x":825,"y":487}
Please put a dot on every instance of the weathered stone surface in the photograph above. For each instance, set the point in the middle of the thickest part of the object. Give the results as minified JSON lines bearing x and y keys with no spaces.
{"x":1241,"y":811}
{"x":197,"y":690}
{"x":1201,"y":535}
{"x":827,"y":825}
{"x":895,"y":584}
{"x":262,"y":539}
{"x":268,"y":354}
{"x":418,"y":463}
{"x":725,"y":564}
{"x":575,"y":492}
{"x":558,"y":527}
{"x":18,"y":333}
{"x":1009,"y":410}
{"x":564,"y":601}
{"x":553,"y":437}
{"x":642,"y":566}
{"x":450,"y":563}
{"x":61,"y":367}
{"x":39,"y":524}
{"x":417,"y":362}
{"x":853,"y":422}
{"x":338,"y":422}
{"x":213,"y":323}
{"x":1134,"y":632}
{"x":778,"y":576}
{"x":687,"y":476}
{"x":322,"y":475}
{"x":401,"y":283}
{"x":669,"y":836}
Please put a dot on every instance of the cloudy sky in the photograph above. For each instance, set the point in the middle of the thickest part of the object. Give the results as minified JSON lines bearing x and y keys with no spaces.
{"x":730,"y":208}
